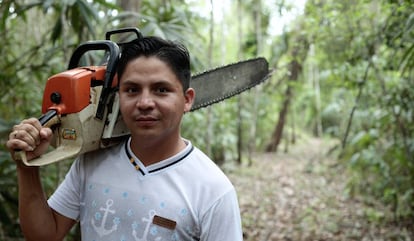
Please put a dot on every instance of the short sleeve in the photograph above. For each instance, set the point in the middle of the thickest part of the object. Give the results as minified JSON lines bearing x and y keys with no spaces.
{"x":222,"y":221}
{"x":66,"y":198}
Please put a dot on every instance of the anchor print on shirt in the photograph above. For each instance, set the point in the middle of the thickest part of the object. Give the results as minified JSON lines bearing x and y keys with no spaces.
{"x":148,"y":220}
{"x":100,"y":228}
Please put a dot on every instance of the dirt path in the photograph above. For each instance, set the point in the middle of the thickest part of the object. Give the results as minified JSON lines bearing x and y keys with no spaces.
{"x":301,"y":195}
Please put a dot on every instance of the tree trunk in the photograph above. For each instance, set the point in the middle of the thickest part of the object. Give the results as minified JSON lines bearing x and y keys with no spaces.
{"x":240,"y":97}
{"x":130,"y":6}
{"x":357,"y":100}
{"x":295,"y":69}
{"x":314,"y":79}
{"x":256,"y":91}
{"x":298,"y":55}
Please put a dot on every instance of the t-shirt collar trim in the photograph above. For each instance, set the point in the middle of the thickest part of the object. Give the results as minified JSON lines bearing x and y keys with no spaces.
{"x":144,"y":170}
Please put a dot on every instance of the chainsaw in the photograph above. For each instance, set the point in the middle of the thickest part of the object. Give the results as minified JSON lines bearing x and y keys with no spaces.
{"x":81,"y":104}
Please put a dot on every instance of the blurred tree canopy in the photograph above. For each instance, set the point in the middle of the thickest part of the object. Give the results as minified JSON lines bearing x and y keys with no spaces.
{"x":342,"y":69}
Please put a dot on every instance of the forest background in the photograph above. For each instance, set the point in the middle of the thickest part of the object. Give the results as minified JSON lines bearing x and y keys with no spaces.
{"x":342,"y":70}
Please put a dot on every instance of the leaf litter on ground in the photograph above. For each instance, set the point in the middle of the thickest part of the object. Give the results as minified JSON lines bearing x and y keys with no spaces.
{"x":302,"y":195}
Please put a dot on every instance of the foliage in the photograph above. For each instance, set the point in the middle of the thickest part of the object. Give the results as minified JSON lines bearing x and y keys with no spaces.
{"x":365,"y":60}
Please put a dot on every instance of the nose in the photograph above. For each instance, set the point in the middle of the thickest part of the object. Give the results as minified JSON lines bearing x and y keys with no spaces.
{"x":145,"y":101}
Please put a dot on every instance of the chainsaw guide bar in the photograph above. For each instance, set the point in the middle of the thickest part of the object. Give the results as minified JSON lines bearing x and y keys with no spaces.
{"x":221,"y":83}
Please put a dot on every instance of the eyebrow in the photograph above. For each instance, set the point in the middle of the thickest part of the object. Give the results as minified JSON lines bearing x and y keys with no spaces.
{"x":155,"y":83}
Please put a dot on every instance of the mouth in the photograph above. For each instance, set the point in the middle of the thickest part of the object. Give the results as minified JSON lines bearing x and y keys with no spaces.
{"x":146,"y":120}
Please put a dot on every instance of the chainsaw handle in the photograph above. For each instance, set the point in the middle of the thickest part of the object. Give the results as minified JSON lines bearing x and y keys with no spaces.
{"x":123,"y":30}
{"x":110,"y":46}
{"x":113,"y":58}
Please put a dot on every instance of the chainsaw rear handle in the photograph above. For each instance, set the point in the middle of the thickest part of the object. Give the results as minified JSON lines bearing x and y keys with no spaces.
{"x":49,"y":119}
{"x":113,"y":57}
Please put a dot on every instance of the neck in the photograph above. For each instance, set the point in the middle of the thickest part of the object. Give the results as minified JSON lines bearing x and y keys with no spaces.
{"x":151,"y":153}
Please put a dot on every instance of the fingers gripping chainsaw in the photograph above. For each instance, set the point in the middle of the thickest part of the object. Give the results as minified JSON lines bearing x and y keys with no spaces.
{"x":81,"y":105}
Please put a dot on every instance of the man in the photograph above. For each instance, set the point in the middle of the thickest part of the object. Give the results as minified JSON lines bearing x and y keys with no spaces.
{"x":154,"y":186}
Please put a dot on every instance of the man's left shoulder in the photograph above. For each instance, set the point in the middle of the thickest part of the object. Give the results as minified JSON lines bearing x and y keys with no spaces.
{"x":205,"y":168}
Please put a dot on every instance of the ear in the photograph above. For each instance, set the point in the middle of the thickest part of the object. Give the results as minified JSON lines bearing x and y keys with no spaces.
{"x":189,"y":96}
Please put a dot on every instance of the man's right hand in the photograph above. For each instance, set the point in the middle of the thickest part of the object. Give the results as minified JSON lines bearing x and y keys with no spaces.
{"x":31,"y":137}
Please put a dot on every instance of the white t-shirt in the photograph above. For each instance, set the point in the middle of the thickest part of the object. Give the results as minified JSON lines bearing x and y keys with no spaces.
{"x":185,"y":197}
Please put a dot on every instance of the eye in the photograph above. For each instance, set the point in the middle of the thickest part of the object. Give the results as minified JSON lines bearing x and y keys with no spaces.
{"x":129,"y":89}
{"x":162,"y":90}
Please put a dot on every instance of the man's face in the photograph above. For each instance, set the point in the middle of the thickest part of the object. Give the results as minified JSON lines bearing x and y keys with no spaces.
{"x":152,"y":101}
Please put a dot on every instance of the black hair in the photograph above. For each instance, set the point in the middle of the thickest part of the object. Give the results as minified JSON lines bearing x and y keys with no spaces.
{"x":174,"y":54}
